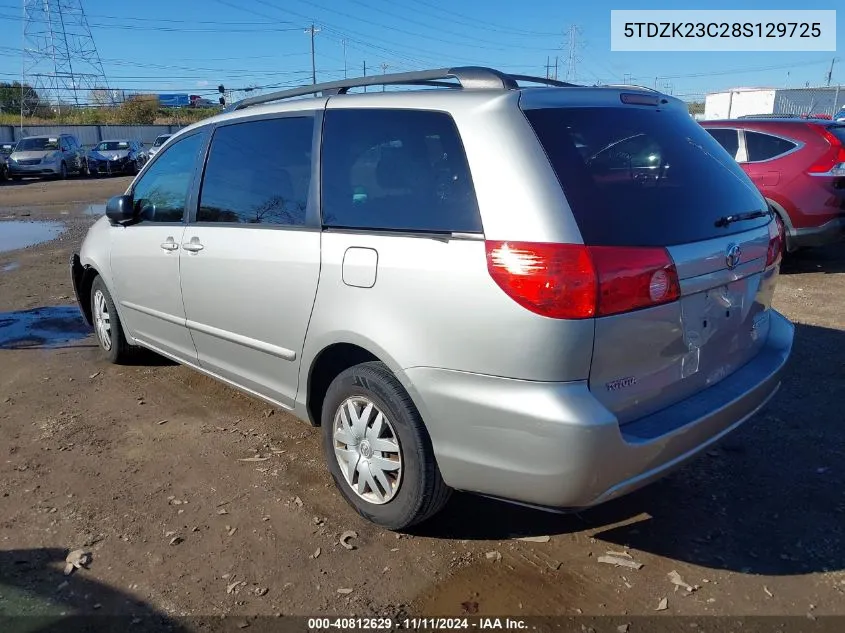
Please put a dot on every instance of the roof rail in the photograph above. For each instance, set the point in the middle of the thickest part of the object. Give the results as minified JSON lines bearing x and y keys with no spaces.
{"x":630,"y":86}
{"x":468,"y":78}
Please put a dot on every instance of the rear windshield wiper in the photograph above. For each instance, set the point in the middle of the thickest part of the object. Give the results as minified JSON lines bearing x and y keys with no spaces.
{"x":739,"y":217}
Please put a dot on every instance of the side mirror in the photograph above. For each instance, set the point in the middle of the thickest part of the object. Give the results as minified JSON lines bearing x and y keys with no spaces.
{"x":120,"y":209}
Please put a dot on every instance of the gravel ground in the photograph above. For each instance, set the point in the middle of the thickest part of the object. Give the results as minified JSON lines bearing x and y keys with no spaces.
{"x":140,"y":466}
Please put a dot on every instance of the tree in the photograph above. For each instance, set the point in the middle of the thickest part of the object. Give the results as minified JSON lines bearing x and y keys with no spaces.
{"x":138,"y":110}
{"x":10,"y":98}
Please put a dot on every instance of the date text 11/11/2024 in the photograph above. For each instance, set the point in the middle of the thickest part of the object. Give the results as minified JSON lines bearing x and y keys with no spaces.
{"x":415,"y":624}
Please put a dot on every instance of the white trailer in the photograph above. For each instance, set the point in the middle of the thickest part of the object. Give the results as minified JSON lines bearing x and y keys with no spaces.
{"x":738,"y":102}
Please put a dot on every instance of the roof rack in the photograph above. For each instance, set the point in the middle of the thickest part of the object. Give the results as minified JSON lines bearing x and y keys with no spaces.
{"x":468,"y":78}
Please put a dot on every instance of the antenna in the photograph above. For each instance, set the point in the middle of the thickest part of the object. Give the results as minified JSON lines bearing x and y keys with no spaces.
{"x":60,"y":59}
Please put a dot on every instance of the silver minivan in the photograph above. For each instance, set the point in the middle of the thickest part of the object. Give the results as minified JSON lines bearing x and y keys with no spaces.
{"x":551,"y":295}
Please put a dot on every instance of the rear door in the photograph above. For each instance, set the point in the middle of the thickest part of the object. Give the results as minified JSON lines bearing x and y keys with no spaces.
{"x":251,"y":253}
{"x":683,"y":201}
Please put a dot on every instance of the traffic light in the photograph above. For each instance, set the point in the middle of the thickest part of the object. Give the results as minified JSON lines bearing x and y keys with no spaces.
{"x":221,"y":89}
{"x":222,"y":92}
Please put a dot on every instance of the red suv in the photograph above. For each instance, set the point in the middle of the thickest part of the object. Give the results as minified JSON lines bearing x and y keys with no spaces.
{"x":799,"y":166}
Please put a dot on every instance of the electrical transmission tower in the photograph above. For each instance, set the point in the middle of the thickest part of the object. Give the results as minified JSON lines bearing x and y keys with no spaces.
{"x":60,"y":60}
{"x":573,"y":45}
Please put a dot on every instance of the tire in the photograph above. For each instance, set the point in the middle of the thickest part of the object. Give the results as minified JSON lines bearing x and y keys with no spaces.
{"x":416,"y":489}
{"x":63,"y":172}
{"x":109,"y":331}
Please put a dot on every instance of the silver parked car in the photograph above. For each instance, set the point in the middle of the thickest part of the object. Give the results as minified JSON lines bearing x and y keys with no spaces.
{"x":485,"y":287}
{"x":55,"y":156}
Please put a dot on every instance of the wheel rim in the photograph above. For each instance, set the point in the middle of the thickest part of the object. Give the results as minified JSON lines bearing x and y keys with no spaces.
{"x":102,"y":319}
{"x":367,"y":450}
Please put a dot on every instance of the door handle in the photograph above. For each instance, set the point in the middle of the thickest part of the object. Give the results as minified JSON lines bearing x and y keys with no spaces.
{"x":194,"y":246}
{"x":169,"y":244}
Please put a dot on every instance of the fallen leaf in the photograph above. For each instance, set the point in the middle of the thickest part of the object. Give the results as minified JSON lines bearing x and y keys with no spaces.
{"x":623,"y":628}
{"x":344,"y":591}
{"x":662,"y":605}
{"x":160,"y":422}
{"x":222,"y":511}
{"x":620,"y":562}
{"x":94,"y":375}
{"x":316,"y":553}
{"x":494,"y":556}
{"x":768,"y":593}
{"x":297,"y":502}
{"x":257,"y":458}
{"x":535,"y":539}
{"x":232,"y":531}
{"x":261,"y":591}
{"x":344,"y":539}
{"x":77,"y":559}
{"x":675,"y":579}
{"x":176,"y":540}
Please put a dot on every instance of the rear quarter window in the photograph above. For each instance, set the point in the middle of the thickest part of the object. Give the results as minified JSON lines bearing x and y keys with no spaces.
{"x":761,"y":146}
{"x":644,"y":176}
{"x":399,"y":170}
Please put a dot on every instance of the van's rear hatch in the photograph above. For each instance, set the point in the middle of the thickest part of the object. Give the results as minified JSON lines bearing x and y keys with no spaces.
{"x":639,"y":172}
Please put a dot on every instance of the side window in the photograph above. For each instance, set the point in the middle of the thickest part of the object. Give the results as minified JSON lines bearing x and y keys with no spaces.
{"x":402,"y":170}
{"x":765,"y":146}
{"x":727,"y":138}
{"x":64,"y":144}
{"x":258,"y":172}
{"x":162,"y":192}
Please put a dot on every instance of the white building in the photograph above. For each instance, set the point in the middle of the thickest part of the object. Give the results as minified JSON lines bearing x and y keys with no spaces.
{"x":739,"y":102}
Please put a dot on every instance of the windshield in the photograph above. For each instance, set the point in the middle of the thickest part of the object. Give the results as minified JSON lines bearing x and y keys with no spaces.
{"x":160,"y":141}
{"x":112,"y":146}
{"x":37,"y":144}
{"x":644,"y":177}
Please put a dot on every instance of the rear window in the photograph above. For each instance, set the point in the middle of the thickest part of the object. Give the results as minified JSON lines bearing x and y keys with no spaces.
{"x":838,"y":131}
{"x":396,"y":170}
{"x":644,"y":177}
{"x":762,"y":146}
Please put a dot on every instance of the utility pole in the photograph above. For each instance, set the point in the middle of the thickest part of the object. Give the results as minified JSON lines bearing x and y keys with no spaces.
{"x":556,"y":60}
{"x":365,"y":73}
{"x":830,"y":72}
{"x":547,"y":67}
{"x":384,"y":67}
{"x":313,"y":31}
{"x":343,"y":41}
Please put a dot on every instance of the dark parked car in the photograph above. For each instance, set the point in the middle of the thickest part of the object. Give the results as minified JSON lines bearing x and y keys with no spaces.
{"x":799,"y":166}
{"x":122,"y":156}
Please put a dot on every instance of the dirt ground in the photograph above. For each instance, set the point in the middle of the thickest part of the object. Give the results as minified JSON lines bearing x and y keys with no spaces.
{"x":143,"y":467}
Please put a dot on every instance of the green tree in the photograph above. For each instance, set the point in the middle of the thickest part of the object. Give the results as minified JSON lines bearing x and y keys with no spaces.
{"x":11,"y":94}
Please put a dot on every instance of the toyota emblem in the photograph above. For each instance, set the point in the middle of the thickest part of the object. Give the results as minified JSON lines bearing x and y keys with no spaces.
{"x":733,"y":255}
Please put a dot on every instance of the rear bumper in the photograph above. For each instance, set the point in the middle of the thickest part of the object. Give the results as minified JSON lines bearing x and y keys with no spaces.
{"x":555,"y":445}
{"x":827,"y":233}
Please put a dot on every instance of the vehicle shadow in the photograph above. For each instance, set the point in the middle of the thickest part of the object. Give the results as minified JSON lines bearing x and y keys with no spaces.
{"x":38,"y":598}
{"x":768,"y":500}
{"x":828,"y":259}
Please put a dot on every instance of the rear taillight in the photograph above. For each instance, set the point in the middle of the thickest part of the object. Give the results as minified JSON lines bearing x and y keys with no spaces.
{"x":832,"y":162}
{"x":776,"y":241}
{"x":573,"y":281}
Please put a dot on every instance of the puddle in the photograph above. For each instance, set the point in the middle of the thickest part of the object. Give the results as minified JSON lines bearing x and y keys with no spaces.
{"x":19,"y":234}
{"x":10,"y":267}
{"x":51,"y":326}
{"x":95,"y":209}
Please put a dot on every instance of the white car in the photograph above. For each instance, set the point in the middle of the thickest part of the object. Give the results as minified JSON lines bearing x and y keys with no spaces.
{"x":160,"y":140}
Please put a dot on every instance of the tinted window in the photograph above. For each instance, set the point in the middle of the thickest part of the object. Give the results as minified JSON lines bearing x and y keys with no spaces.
{"x":37,"y":144}
{"x":644,"y":176}
{"x":765,"y":146}
{"x":838,"y":131}
{"x":729,"y":139}
{"x":401,"y":170}
{"x":162,"y":192}
{"x":258,"y":172}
